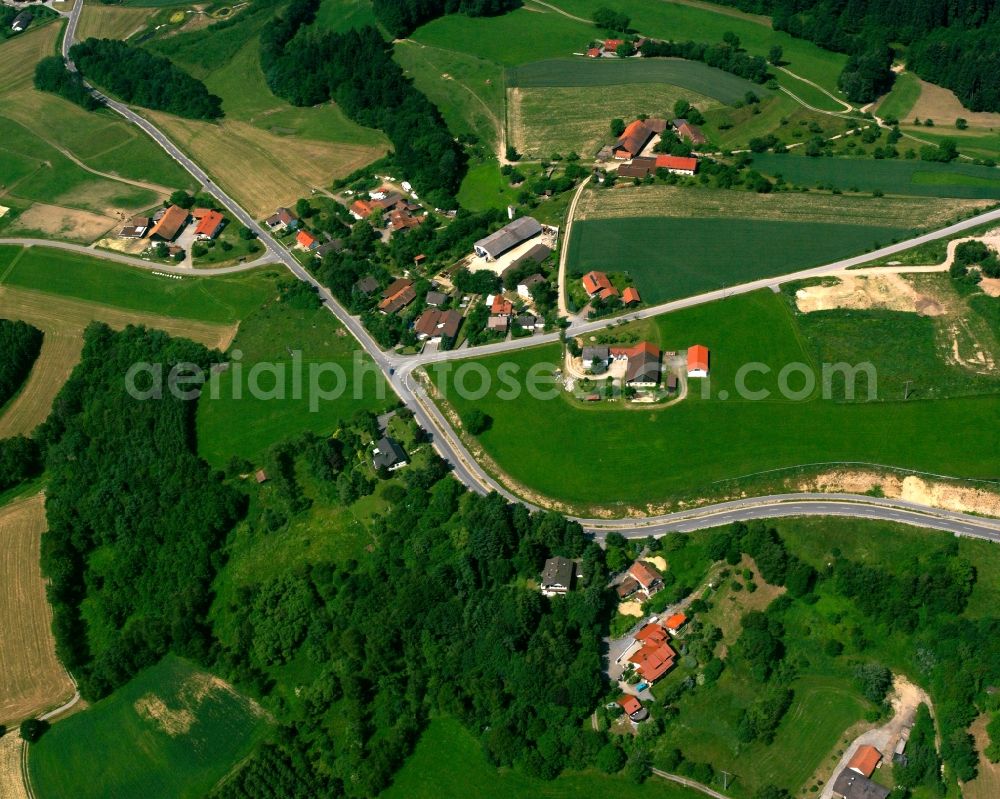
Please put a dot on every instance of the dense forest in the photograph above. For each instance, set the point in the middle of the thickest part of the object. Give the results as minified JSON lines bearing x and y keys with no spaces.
{"x":51,"y":75}
{"x":20,"y":460}
{"x":124,"y":481}
{"x":722,"y":56}
{"x":20,"y":344}
{"x":138,"y":76}
{"x":402,"y":17}
{"x":955,"y":44}
{"x":355,"y":69}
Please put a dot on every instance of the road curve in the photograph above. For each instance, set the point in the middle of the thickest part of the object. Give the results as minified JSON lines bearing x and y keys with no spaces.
{"x":141,"y":263}
{"x":399,"y":370}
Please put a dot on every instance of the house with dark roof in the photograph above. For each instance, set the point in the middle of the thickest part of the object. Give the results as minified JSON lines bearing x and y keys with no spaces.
{"x":557,"y":576}
{"x":434,"y":325}
{"x":397,"y":296}
{"x":595,"y":358}
{"x":136,"y":228}
{"x":282,"y":219}
{"x":498,"y":324}
{"x":686,"y":130}
{"x":643,"y":368}
{"x":436,"y":298}
{"x":525,"y":286}
{"x":366,"y":285}
{"x":388,"y":454}
{"x":507,"y":238}
{"x":22,"y":21}
{"x":638,"y":167}
{"x":333,"y":245}
{"x":851,"y":785}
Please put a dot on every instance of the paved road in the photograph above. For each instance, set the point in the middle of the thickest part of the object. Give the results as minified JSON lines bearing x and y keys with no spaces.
{"x":399,"y":372}
{"x":130,"y":260}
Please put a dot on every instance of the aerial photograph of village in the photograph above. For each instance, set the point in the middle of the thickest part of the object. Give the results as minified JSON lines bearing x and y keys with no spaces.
{"x":499,"y":399}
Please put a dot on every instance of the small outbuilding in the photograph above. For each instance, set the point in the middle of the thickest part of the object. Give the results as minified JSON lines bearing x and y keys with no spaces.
{"x":697,"y":361}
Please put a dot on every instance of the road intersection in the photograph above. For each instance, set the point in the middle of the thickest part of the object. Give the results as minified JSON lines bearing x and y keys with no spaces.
{"x":398,"y":371}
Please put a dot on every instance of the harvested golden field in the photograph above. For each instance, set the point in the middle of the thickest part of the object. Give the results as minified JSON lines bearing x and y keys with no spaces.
{"x":941,"y":105}
{"x":673,"y":202}
{"x":111,"y":22}
{"x":11,"y":778}
{"x":19,"y":56}
{"x":31,"y":677}
{"x":546,"y":120}
{"x":70,"y":224}
{"x":63,"y":320}
{"x":987,"y":784}
{"x":263,"y":170}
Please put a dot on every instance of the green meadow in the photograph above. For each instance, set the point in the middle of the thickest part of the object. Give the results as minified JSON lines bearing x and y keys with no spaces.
{"x":579,"y":73}
{"x":901,"y":99}
{"x":588,"y":456}
{"x":889,"y":176}
{"x":171,"y":732}
{"x":448,"y":763}
{"x":674,"y":258}
{"x":225,"y":298}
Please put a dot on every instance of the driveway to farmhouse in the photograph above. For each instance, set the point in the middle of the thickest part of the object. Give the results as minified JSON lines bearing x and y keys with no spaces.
{"x":905,"y":699}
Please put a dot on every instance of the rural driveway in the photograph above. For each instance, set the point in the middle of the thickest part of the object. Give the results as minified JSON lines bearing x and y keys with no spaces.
{"x":905,"y":699}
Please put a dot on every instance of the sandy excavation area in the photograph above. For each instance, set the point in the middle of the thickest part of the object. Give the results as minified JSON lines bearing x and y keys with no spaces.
{"x":889,"y":292}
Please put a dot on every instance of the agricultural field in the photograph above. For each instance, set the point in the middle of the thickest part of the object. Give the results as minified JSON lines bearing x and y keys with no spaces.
{"x":469,"y":91}
{"x":647,"y":249}
{"x":448,"y":763}
{"x":218,"y":300}
{"x":32,"y":679}
{"x":703,"y":22}
{"x":557,"y":449}
{"x":173,"y":731}
{"x":693,"y":76}
{"x":247,"y":426}
{"x":111,"y":22}
{"x":918,"y":178}
{"x":542,"y":121}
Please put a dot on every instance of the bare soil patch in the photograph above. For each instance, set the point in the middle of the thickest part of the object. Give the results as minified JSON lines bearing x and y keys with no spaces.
{"x":630,"y":608}
{"x":990,"y":286}
{"x":11,"y":779}
{"x":889,"y":292}
{"x":64,"y":223}
{"x":944,"y":108}
{"x":31,"y":677}
{"x":934,"y":493}
{"x":177,"y":720}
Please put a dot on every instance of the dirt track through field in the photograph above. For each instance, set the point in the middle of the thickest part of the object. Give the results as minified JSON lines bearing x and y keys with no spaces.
{"x":11,"y":782}
{"x":63,"y":320}
{"x":31,"y":677}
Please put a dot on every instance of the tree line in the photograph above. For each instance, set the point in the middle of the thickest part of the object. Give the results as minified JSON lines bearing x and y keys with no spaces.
{"x":355,"y":69}
{"x":724,"y":56}
{"x":954,"y":44}
{"x":402,"y":17}
{"x":51,"y":75}
{"x":20,"y":344}
{"x":138,"y":76}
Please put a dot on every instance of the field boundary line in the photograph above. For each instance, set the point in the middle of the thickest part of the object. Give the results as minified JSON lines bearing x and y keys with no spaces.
{"x":990,"y":481}
{"x":12,"y":264}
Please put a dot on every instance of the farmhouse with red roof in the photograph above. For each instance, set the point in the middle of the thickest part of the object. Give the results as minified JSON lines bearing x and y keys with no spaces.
{"x":596,"y":282}
{"x":649,"y":578}
{"x":305,"y":241}
{"x":697,"y":361}
{"x":209,"y":225}
{"x":677,"y":165}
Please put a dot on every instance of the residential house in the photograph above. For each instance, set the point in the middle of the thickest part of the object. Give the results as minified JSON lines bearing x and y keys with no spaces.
{"x":136,"y":228}
{"x":557,"y":576}
{"x":633,"y":708}
{"x":498,"y":324}
{"x":361,"y":209}
{"x":677,"y":165}
{"x":686,"y":130}
{"x":529,"y":322}
{"x":501,"y":306}
{"x":630,"y":296}
{"x":436,"y":298}
{"x":675,"y":622}
{"x":594,"y":52}
{"x":655,"y":657}
{"x":209,"y":225}
{"x":388,"y":455}
{"x":434,"y":325}
{"x":627,"y":587}
{"x":596,"y":282}
{"x":304,"y":240}
{"x":632,"y":141}
{"x":697,"y":361}
{"x":851,"y":785}
{"x":281,"y":220}
{"x":170,"y":224}
{"x":402,"y":219}
{"x":595,"y":359}
{"x":643,"y":369}
{"x":366,"y":285}
{"x":865,"y":760}
{"x":397,"y":296}
{"x":525,"y":286}
{"x":22,"y":21}
{"x":647,"y":576}
{"x":333,"y":245}
{"x":507,"y":238}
